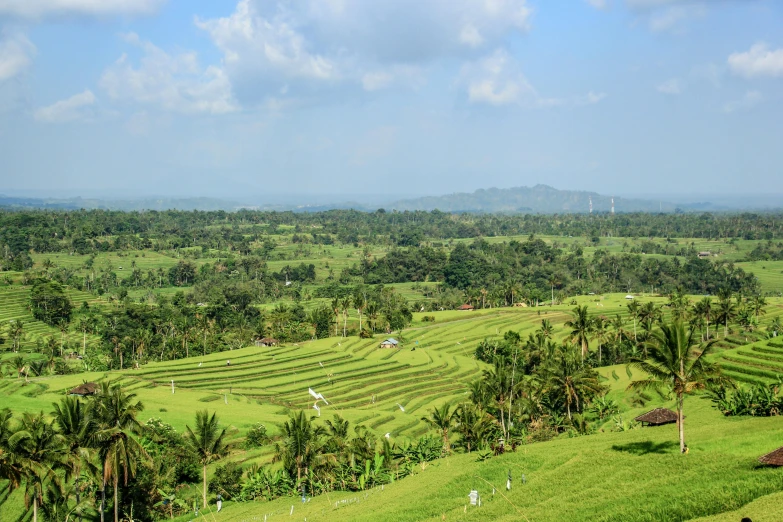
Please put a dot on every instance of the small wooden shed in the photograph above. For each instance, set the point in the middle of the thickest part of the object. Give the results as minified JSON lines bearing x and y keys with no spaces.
{"x":657,"y":417}
{"x":267,"y":341}
{"x":390,"y":343}
{"x":773,"y":459}
{"x":83,"y":390}
{"x":465,"y":307}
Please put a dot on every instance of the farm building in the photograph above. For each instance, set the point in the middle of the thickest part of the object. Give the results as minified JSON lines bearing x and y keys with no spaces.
{"x":88,"y":388}
{"x":390,"y":343}
{"x":773,"y":459}
{"x":465,"y":307}
{"x":702,"y":255}
{"x":267,"y":341}
{"x":657,"y":417}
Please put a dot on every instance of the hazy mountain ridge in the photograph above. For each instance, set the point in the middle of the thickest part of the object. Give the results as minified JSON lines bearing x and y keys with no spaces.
{"x":540,"y":198}
{"x":537,"y":199}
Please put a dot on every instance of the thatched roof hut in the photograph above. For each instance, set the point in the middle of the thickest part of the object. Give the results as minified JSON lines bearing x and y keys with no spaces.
{"x":657,"y":417}
{"x":88,"y":388}
{"x":267,"y":341}
{"x":773,"y":459}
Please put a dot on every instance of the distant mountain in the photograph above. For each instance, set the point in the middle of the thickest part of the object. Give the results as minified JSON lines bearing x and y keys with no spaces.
{"x":118,"y":204}
{"x":540,"y":198}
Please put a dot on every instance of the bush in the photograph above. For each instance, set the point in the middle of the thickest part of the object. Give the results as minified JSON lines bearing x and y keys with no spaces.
{"x":226,"y":481}
{"x":256,"y":436}
{"x":428,"y":319}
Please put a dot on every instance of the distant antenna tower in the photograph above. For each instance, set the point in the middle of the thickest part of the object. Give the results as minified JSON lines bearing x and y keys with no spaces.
{"x":613,"y":205}
{"x":591,"y":203}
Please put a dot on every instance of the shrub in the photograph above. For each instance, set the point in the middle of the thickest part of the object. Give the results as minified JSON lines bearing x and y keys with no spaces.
{"x":226,"y":480}
{"x":256,"y":436}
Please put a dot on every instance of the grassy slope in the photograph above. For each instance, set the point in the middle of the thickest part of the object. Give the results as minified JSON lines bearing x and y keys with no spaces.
{"x":634,"y":475}
{"x":265,"y":382}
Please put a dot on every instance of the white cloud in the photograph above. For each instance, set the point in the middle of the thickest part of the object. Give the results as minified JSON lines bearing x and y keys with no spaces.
{"x":42,"y":8}
{"x":498,"y":80}
{"x":312,"y":46}
{"x":174,"y":82}
{"x":16,"y":54}
{"x":66,"y":110}
{"x":758,"y":61}
{"x":748,"y":101}
{"x":470,"y":36}
{"x":671,"y":87}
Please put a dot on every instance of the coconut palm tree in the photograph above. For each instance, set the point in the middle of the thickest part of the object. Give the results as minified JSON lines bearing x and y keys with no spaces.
{"x":114,"y":413}
{"x":704,"y":309}
{"x":9,"y":469}
{"x":38,"y":453}
{"x":442,"y":419}
{"x":473,"y":425}
{"x":74,"y":424}
{"x":16,"y":331}
{"x":571,"y":382}
{"x":208,"y":442}
{"x":633,"y":311}
{"x":301,"y":447}
{"x":725,"y":313}
{"x":581,"y":327}
{"x":601,"y":333}
{"x":677,"y":362}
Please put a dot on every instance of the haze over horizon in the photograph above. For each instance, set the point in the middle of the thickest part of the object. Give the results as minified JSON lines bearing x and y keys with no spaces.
{"x":339,"y":98}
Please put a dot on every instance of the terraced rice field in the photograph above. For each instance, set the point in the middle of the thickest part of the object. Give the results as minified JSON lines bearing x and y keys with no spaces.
{"x":14,"y":301}
{"x":760,"y":362}
{"x":388,"y":389}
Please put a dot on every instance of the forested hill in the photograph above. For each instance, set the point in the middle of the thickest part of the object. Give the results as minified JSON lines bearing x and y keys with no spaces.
{"x":540,"y":198}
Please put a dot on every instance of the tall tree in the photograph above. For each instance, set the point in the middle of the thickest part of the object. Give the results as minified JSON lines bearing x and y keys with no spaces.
{"x":38,"y":452}
{"x":677,"y":363}
{"x":301,"y":446}
{"x":208,"y":442}
{"x":581,"y":327}
{"x":115,"y":415}
{"x":570,"y":381}
{"x":442,"y":419}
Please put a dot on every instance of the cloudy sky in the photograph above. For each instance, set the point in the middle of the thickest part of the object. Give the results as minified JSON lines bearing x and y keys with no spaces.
{"x":254,"y":98}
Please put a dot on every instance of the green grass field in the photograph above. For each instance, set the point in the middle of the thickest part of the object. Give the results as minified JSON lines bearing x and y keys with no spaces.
{"x":632,"y":475}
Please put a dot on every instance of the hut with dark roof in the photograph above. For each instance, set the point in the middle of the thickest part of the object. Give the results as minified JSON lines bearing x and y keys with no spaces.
{"x":773,"y":459}
{"x":88,"y":388}
{"x":657,"y":417}
{"x":267,"y":341}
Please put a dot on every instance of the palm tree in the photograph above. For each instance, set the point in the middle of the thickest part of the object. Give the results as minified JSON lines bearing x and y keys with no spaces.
{"x":345,"y":304}
{"x":74,"y":424}
{"x":601,"y":333}
{"x":757,"y":304}
{"x":571,"y":381}
{"x":9,"y":469}
{"x":442,"y":419}
{"x":553,"y":281}
{"x":633,"y":311}
{"x":208,"y":442}
{"x":38,"y":451}
{"x":205,"y":325}
{"x":703,"y":309}
{"x":677,"y":362}
{"x":115,"y":414}
{"x":581,"y":327}
{"x":301,"y":445}
{"x":726,"y":312}
{"x":546,"y":329}
{"x":16,"y":330}
{"x":473,"y":425}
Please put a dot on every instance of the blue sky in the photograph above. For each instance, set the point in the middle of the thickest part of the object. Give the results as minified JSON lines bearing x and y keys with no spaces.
{"x":254,"y":98}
